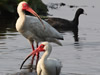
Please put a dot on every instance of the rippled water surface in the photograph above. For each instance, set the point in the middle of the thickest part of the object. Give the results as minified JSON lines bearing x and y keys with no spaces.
{"x":77,"y":59}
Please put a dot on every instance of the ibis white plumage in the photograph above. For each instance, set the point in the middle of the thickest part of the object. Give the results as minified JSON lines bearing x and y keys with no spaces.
{"x":48,"y":66}
{"x":35,"y":29}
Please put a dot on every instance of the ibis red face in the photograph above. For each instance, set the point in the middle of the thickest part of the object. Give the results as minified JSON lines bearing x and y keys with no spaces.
{"x":41,"y":48}
{"x":26,"y":7}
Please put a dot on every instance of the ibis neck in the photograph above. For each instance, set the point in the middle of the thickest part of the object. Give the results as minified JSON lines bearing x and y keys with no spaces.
{"x":21,"y":14}
{"x":20,"y":21}
{"x":45,"y":56}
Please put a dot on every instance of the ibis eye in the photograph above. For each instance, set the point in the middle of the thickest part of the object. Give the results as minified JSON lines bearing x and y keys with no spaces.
{"x":24,"y":5}
{"x":42,"y":46}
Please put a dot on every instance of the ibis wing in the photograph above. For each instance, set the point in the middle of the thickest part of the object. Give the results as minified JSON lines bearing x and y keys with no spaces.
{"x":36,"y":27}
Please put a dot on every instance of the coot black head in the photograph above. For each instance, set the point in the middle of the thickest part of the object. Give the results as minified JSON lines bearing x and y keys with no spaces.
{"x":80,"y":11}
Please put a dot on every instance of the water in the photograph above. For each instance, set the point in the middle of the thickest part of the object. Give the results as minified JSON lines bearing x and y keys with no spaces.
{"x":77,"y":59}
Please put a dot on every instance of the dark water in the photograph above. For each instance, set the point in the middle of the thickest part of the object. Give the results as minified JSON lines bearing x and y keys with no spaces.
{"x":77,"y":59}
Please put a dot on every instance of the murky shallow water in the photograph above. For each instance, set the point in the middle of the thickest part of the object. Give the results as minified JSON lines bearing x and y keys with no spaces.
{"x":77,"y":59}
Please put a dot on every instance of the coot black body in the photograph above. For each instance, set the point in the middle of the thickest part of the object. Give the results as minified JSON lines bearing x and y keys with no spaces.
{"x":67,"y":25}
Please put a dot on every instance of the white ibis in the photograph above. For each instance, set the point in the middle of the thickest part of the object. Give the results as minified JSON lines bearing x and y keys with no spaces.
{"x":67,"y":25}
{"x":46,"y":66}
{"x":35,"y":30}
